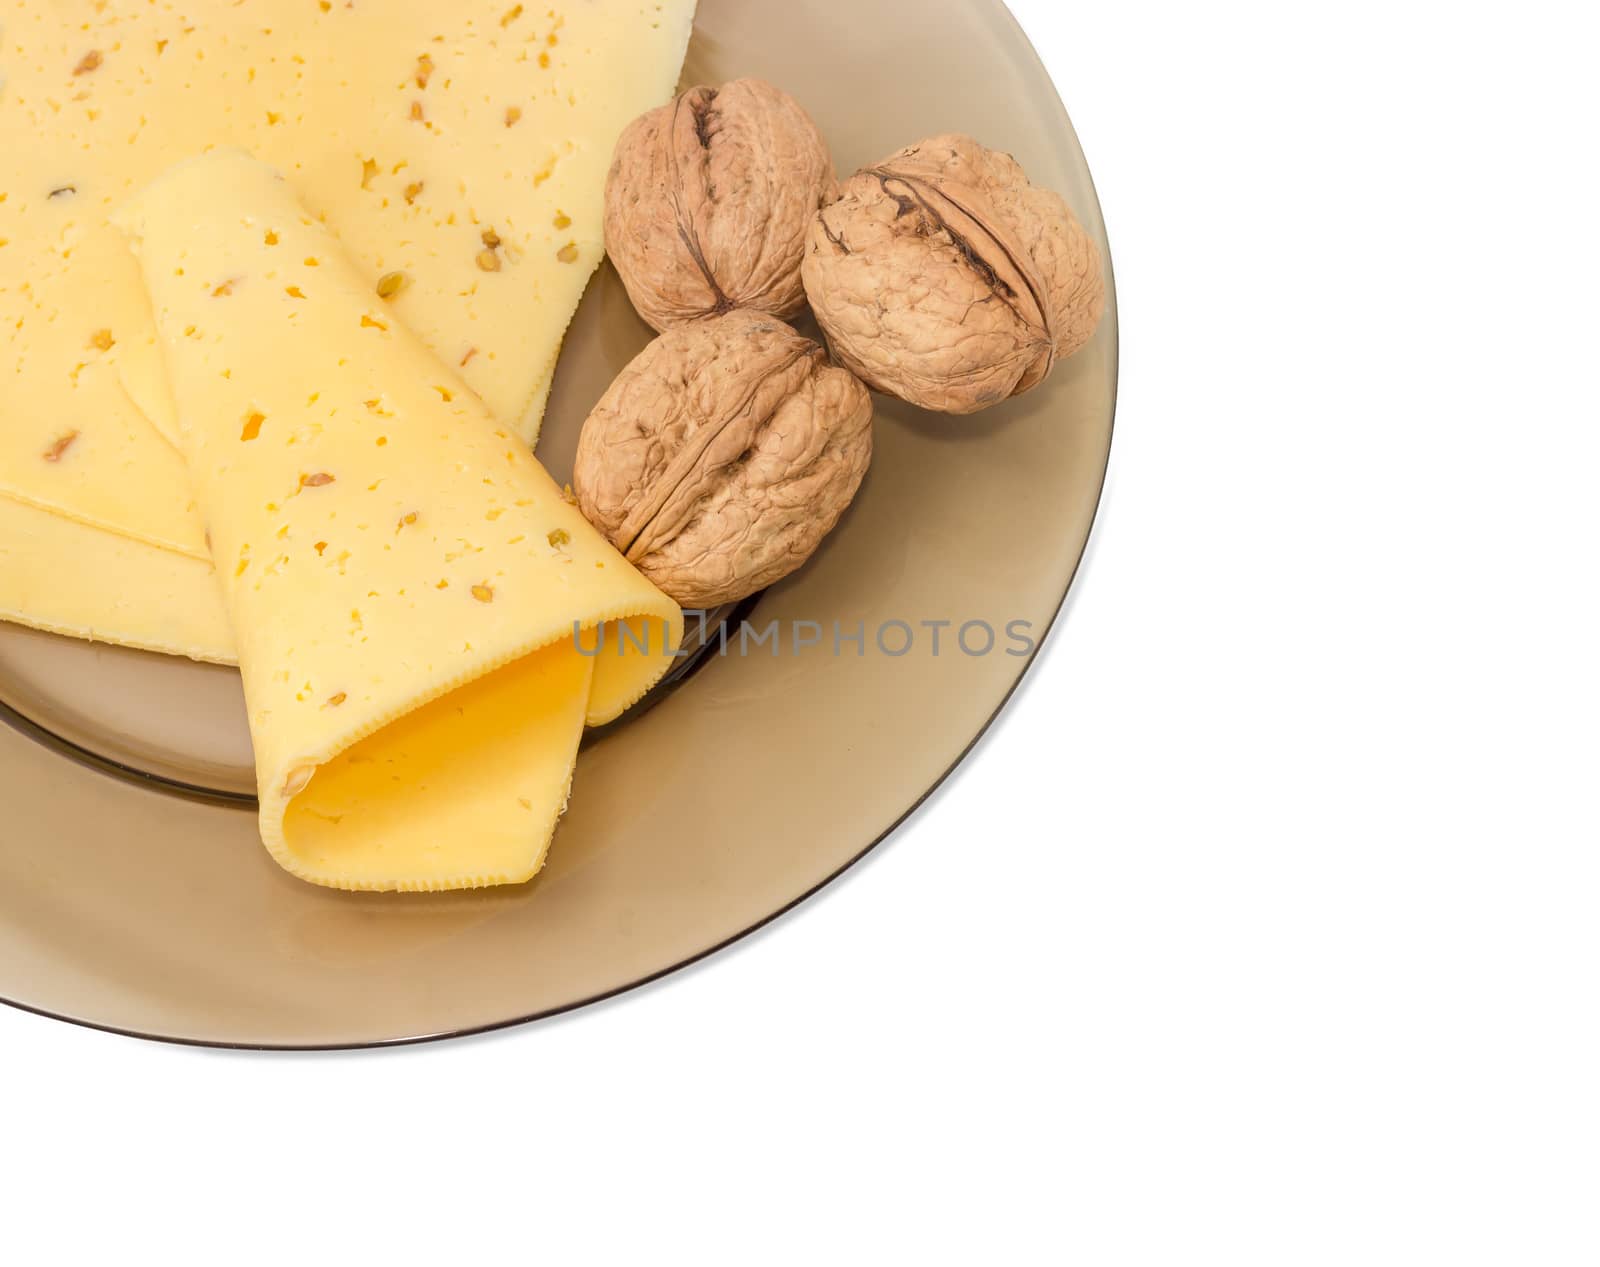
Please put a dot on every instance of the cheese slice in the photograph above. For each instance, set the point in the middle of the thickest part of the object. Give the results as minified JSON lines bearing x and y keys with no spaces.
{"x":459,"y":147}
{"x":71,"y":438}
{"x":53,"y":577}
{"x":405,"y":583}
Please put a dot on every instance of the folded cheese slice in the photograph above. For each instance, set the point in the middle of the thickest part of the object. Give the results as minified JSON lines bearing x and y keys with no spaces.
{"x":54,"y":576}
{"x":419,"y":132}
{"x":72,"y":439}
{"x":405,"y":583}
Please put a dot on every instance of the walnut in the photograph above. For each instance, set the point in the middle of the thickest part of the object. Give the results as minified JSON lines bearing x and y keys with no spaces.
{"x":942,"y":276}
{"x":722,"y":455}
{"x":709,"y":199}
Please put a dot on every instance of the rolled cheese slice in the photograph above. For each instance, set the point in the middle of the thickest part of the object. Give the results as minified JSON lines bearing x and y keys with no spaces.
{"x":423,"y":622}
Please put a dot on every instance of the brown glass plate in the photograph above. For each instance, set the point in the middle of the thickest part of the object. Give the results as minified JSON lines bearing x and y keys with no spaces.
{"x":135,"y":894}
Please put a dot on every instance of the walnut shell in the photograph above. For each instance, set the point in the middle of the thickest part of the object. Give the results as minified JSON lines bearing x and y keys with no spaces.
{"x":722,"y":455}
{"x":708,"y":201}
{"x":942,"y":276}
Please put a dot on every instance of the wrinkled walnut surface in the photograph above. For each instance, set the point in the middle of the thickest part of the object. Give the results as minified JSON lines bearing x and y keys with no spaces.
{"x":709,"y":199}
{"x":722,"y":455}
{"x":942,"y":276}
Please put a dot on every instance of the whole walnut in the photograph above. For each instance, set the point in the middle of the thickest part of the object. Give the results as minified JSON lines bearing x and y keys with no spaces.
{"x":722,"y":455}
{"x":942,"y":276}
{"x":709,"y":199}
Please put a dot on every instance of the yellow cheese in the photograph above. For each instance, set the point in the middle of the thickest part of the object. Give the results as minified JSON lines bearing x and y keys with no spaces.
{"x":71,"y":439}
{"x":53,"y":575}
{"x":457,"y":149}
{"x":404,"y":580}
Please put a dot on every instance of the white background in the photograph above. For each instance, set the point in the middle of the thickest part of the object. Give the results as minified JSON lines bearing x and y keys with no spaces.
{"x":1265,"y":929}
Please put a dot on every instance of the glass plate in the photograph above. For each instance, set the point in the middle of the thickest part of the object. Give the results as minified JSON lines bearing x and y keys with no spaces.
{"x":135,"y":894}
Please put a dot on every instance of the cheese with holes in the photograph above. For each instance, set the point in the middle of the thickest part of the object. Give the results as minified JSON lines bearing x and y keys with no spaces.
{"x":405,"y":583}
{"x":457,"y":152}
